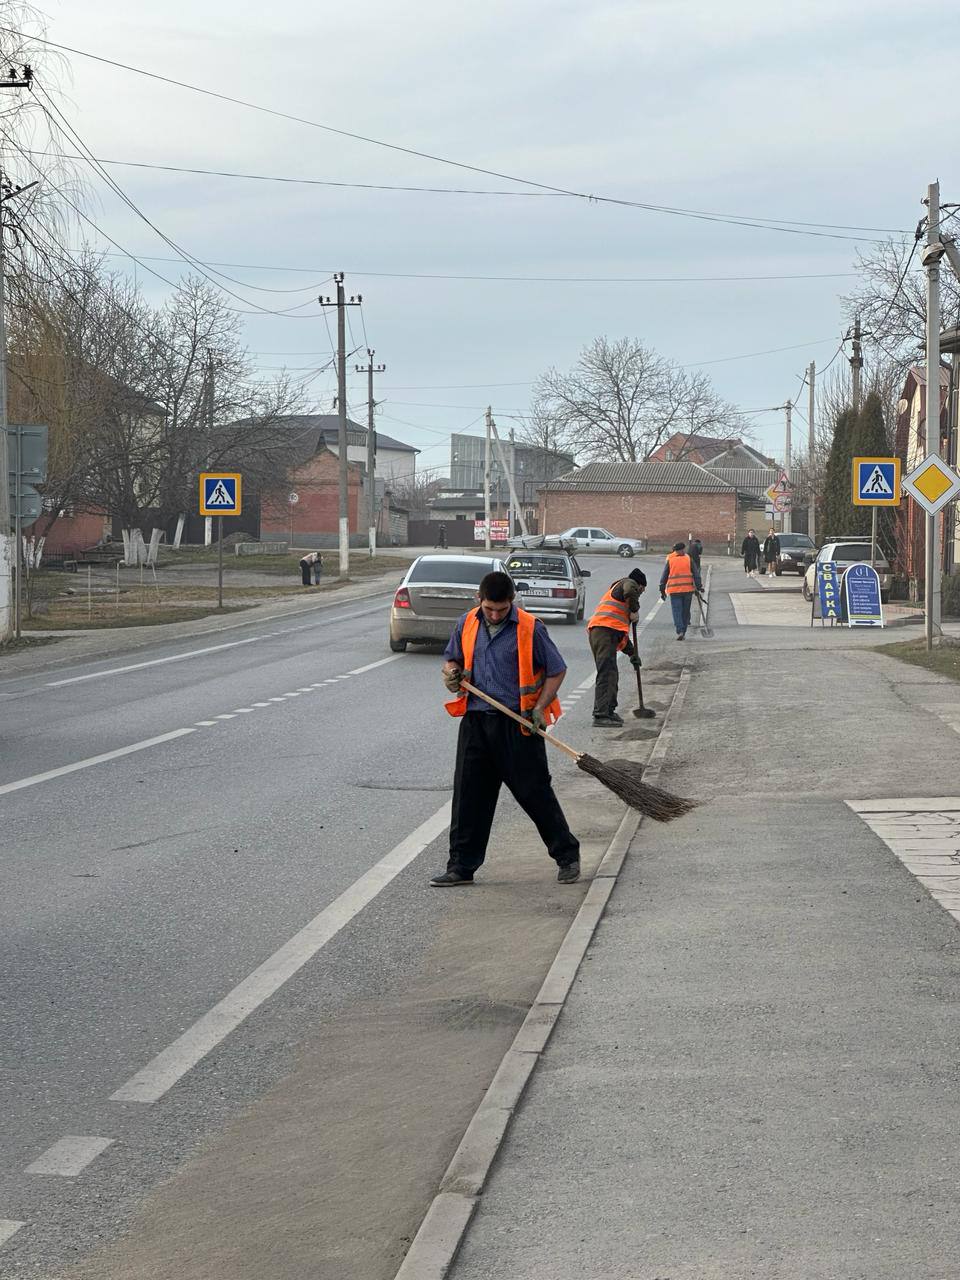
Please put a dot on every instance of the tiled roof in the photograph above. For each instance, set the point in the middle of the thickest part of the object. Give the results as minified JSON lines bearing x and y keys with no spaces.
{"x":639,"y":477}
{"x":755,"y":480}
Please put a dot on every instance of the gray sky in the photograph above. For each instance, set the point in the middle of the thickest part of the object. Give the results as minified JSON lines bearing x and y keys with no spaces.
{"x":815,"y":111}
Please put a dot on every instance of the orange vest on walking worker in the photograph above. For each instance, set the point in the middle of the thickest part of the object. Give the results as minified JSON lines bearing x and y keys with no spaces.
{"x":531,"y":682}
{"x":613,"y":614}
{"x":681,"y":577}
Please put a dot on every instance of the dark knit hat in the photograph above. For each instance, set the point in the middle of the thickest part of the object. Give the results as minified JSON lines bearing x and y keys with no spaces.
{"x":679,"y":546}
{"x":638,"y":576}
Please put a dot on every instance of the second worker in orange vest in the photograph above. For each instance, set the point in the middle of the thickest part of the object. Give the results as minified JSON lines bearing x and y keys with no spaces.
{"x":679,"y":580}
{"x":609,"y":634}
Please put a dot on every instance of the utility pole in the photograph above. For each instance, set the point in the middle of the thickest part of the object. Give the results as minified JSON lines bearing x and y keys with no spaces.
{"x":370,"y":369}
{"x":811,"y":448}
{"x":931,"y":261}
{"x":343,"y":506}
{"x":9,"y":549}
{"x":787,"y":450}
{"x":856,"y":365}
{"x":486,"y":479}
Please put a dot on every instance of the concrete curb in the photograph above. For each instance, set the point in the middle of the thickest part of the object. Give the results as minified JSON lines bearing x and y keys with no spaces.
{"x":436,"y":1244}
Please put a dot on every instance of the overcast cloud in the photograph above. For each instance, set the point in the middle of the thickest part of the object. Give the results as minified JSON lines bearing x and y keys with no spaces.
{"x":817,"y":111}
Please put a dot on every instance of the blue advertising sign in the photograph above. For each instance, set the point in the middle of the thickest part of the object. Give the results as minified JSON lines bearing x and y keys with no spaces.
{"x":861,"y":585}
{"x":828,"y":590}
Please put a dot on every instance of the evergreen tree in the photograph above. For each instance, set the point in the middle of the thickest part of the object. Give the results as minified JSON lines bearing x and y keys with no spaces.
{"x":836,"y":517}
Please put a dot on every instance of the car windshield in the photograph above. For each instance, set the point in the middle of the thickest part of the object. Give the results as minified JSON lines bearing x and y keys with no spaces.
{"x":848,"y":552}
{"x":539,"y":566}
{"x":795,"y":540}
{"x":465,"y":570}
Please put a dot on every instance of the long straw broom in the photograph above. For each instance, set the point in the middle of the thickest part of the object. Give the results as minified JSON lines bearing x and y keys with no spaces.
{"x":622,"y":777}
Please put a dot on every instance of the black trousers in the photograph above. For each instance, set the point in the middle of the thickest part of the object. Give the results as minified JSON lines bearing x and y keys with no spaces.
{"x":603,"y":646}
{"x":305,"y":574}
{"x":491,"y":751}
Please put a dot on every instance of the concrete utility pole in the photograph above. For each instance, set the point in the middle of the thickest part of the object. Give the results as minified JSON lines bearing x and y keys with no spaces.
{"x":856,"y":365}
{"x":8,"y":547}
{"x":370,"y":369}
{"x":931,"y":261}
{"x":343,"y":505}
{"x":811,"y":449}
{"x":486,"y":478}
{"x":787,"y":452}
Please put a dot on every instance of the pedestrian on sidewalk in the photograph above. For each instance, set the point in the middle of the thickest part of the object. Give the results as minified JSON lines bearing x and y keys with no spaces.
{"x":312,"y":562}
{"x":441,"y":541}
{"x":771,"y":554}
{"x":508,"y":654}
{"x":609,"y":634}
{"x":696,"y":551}
{"x":750,"y":550}
{"x":679,"y":580}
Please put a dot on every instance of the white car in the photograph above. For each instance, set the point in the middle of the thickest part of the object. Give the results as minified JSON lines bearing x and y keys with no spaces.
{"x":844,"y":553}
{"x":595,"y":541}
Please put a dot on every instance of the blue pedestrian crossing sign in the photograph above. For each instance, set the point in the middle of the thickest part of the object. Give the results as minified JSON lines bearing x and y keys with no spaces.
{"x":220,"y":493}
{"x":876,"y":482}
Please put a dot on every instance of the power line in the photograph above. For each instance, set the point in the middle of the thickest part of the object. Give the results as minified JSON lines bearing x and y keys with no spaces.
{"x":799,"y":346}
{"x":785,"y":225}
{"x":426,"y":275}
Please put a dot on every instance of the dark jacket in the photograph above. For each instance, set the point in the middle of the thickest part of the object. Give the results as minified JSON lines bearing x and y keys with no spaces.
{"x":771,"y":547}
{"x":695,"y":551}
{"x":750,"y":550}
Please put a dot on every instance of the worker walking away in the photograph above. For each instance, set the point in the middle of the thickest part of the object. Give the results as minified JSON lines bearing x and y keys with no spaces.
{"x":696,"y":551}
{"x":771,"y":554}
{"x":679,"y":580}
{"x":508,"y":654}
{"x":609,"y":634}
{"x":311,"y":563}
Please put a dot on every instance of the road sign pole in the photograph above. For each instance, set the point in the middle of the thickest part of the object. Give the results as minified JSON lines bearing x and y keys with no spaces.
{"x":873,"y":537}
{"x":932,"y":263}
{"x":219,"y":562}
{"x":18,"y":532}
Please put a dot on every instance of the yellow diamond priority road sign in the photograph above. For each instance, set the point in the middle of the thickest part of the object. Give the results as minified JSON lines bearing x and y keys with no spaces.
{"x":932,"y":484}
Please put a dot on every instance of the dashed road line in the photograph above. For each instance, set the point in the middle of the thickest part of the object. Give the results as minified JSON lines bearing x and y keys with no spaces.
{"x":36,"y":778}
{"x":69,"y":1157}
{"x":8,"y":1228}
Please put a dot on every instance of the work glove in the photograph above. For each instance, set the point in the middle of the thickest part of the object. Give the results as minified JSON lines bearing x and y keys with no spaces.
{"x":452,"y":679}
{"x":635,"y":662}
{"x":663,"y":596}
{"x":537,"y":719}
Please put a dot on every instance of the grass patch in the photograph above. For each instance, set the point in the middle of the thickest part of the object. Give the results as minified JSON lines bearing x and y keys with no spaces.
{"x":74,"y":617}
{"x":26,"y":642}
{"x":944,"y":659}
{"x":288,"y":566}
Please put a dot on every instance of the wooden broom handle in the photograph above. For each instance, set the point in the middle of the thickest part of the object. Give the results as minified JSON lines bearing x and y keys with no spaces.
{"x":478,"y":693}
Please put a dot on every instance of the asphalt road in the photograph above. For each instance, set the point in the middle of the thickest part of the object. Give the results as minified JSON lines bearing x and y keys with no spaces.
{"x":175,"y":823}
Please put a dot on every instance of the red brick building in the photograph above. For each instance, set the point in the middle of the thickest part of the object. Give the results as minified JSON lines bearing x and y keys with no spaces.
{"x":911,"y":447}
{"x":663,"y":502}
{"x":313,"y":518}
{"x":687,"y":447}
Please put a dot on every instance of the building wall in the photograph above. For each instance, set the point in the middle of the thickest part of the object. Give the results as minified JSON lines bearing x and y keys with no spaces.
{"x":393,"y":465}
{"x":70,"y":533}
{"x":317,"y":513}
{"x":661,"y":518}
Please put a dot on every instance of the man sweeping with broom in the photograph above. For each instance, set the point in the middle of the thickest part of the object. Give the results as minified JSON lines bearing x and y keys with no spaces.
{"x":608,"y":633}
{"x":507,"y":654}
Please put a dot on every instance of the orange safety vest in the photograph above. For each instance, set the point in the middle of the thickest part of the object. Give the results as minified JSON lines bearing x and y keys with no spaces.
{"x":681,"y":577}
{"x":531,"y":682}
{"x":613,"y":614}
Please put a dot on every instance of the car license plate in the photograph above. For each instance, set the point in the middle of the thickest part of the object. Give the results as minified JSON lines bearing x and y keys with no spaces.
{"x":537,"y":591}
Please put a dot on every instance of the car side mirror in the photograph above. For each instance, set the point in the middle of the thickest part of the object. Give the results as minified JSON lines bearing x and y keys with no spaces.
{"x":585,"y":573}
{"x":522,"y":586}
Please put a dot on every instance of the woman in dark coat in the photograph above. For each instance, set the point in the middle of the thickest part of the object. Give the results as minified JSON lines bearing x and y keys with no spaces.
{"x":750,"y":550}
{"x":771,"y":553}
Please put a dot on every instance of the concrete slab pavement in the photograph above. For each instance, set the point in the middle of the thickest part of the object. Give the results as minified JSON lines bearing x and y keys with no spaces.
{"x":756,"y":1071}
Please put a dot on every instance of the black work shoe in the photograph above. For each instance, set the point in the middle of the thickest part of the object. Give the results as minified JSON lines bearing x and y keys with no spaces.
{"x":569,"y":873}
{"x":680,"y":635}
{"x":446,"y":878}
{"x":608,"y":722}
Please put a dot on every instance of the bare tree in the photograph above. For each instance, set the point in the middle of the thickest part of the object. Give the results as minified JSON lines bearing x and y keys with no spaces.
{"x":622,"y":400}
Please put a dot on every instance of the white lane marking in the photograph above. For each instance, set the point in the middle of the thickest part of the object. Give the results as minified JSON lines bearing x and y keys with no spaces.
{"x":261,"y":704}
{"x":215,"y":648}
{"x":36,"y":778}
{"x":227,"y":715}
{"x":307,"y":688}
{"x":344,"y":677}
{"x":358,"y":671}
{"x":8,"y":1228}
{"x":204,"y":724}
{"x":156,"y":662}
{"x":197,"y":1041}
{"x":242,"y":711}
{"x":295,"y":693}
{"x":276,"y":699}
{"x":69,"y":1156}
{"x":333,"y":680}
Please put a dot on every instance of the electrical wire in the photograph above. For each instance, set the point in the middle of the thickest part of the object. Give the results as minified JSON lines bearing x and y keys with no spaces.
{"x":799,"y":346}
{"x":788,"y":226}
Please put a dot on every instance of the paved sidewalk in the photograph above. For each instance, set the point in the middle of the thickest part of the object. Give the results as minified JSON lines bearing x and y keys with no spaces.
{"x":756,"y":1072}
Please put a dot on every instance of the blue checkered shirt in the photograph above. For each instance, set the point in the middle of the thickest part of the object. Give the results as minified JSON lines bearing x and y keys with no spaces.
{"x":496,"y":664}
